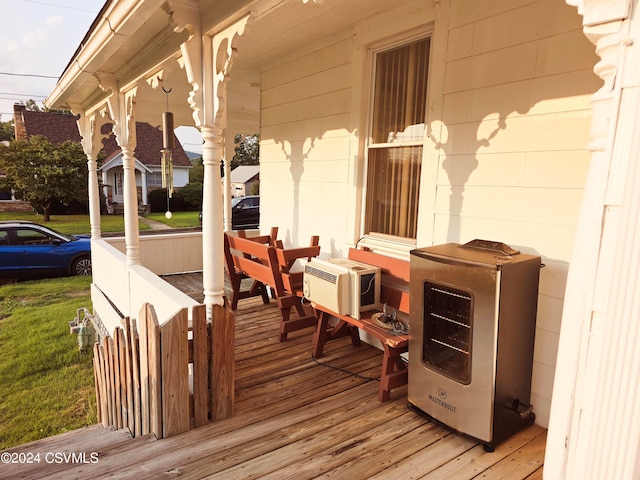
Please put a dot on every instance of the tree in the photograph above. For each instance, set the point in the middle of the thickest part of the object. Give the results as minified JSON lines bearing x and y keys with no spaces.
{"x":196,"y":174}
{"x":7,"y":132}
{"x":43,"y":174}
{"x":33,"y":106}
{"x":247,"y":150}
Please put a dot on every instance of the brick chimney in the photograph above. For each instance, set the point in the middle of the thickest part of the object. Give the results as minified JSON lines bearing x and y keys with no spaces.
{"x":18,"y":121}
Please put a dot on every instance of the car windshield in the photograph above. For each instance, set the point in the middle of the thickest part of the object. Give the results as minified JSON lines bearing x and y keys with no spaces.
{"x":236,"y":201}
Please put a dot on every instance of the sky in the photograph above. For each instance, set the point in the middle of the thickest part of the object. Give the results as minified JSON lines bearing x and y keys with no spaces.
{"x":37,"y":41}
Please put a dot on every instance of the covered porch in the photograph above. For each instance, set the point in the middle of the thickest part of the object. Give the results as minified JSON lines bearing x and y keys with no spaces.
{"x":520,"y":142}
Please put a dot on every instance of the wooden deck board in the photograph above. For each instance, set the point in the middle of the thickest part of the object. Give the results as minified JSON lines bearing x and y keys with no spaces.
{"x":297,"y":418}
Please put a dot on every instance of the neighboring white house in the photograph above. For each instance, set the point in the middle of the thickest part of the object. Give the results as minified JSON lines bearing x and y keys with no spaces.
{"x":59,"y":127}
{"x":243,"y":179}
{"x":398,"y":125}
{"x":148,"y":167}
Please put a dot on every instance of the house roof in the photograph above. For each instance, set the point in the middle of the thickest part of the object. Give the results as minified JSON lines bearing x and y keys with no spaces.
{"x":244,"y":173}
{"x":148,"y":147}
{"x":59,"y":127}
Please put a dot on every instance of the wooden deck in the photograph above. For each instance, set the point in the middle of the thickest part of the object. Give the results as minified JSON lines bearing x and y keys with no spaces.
{"x":295,"y":418}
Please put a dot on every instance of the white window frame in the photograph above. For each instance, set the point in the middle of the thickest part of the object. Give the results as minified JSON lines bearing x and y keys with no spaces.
{"x":379,"y":241}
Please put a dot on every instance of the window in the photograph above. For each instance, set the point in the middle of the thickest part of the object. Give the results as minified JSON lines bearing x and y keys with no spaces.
{"x":27,"y":236}
{"x":394,"y":154}
{"x":154,"y":179}
{"x":4,"y":237}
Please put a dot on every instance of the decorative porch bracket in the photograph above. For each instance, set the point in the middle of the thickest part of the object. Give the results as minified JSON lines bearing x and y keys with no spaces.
{"x":122,"y":110}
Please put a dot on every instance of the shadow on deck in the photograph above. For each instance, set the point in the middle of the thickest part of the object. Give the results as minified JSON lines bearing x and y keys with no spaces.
{"x":294,"y":418}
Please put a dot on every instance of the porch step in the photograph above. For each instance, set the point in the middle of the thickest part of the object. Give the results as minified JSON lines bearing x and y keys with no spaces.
{"x":50,"y":457}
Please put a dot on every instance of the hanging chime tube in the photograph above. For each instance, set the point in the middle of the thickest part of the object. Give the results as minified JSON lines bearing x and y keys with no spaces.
{"x":168,"y":143}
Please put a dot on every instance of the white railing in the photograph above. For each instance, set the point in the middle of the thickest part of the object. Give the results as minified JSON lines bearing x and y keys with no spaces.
{"x":120,"y":291}
{"x":167,"y":253}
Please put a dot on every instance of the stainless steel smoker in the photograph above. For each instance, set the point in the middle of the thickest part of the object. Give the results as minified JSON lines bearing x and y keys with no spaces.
{"x":472,"y":323}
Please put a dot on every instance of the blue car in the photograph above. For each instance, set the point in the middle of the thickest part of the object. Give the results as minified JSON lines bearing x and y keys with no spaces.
{"x":29,"y":250}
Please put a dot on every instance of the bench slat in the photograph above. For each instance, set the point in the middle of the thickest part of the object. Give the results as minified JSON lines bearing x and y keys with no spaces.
{"x":398,"y":299}
{"x":393,"y":267}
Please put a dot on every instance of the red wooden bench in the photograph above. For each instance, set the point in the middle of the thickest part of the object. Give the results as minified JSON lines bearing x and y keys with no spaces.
{"x":394,"y":292}
{"x":258,"y":259}
{"x":236,"y":276}
{"x":292,"y":280}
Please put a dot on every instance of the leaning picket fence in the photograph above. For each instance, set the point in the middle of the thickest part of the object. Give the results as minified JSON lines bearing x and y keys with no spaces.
{"x":166,"y":379}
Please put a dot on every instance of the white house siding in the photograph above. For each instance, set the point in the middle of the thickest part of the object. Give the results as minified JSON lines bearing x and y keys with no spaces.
{"x":243,"y":114}
{"x":516,"y":119}
{"x":180,"y":177}
{"x":505,"y":155}
{"x":305,"y":146}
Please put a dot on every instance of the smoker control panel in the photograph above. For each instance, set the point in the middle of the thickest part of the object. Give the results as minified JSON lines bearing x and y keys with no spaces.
{"x":497,"y":247}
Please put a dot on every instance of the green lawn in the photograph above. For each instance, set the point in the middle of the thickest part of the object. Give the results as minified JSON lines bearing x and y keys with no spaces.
{"x":177,"y":220}
{"x":46,"y":384}
{"x":72,"y":224}
{"x":79,"y":224}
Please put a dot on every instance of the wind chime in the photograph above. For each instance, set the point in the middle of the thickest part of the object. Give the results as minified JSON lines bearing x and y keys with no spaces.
{"x":168,"y":144}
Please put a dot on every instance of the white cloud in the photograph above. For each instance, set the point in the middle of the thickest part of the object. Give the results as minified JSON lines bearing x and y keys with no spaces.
{"x":39,"y":36}
{"x":53,"y":21}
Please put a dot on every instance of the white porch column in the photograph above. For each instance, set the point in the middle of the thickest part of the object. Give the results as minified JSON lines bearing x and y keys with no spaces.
{"x":105,"y":187}
{"x":207,"y":60}
{"x":89,"y":127}
{"x":121,"y":110}
{"x":228,"y":224}
{"x":594,"y":428}
{"x":213,"y":248}
{"x":131,"y":230}
{"x":94,"y":196}
{"x":145,"y":194}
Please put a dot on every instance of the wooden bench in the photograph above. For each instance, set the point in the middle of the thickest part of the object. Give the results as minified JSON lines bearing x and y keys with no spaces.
{"x":259,"y":261}
{"x":394,"y":292}
{"x":236,"y":276}
{"x":287,"y":257}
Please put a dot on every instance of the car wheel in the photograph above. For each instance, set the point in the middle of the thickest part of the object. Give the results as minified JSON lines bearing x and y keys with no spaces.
{"x":81,"y":266}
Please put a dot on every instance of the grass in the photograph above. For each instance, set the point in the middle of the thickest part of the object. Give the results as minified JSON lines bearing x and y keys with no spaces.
{"x":73,"y":224}
{"x":177,"y":220}
{"x":46,"y":385}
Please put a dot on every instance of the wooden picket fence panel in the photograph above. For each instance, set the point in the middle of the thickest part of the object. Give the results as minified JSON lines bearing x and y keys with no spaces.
{"x":142,"y":372}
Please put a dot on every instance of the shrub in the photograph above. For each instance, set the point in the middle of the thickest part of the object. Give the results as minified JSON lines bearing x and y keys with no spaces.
{"x":191,"y":195}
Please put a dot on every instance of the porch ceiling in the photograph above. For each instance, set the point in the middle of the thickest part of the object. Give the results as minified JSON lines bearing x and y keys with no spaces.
{"x":279,"y":31}
{"x":133,"y":41}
